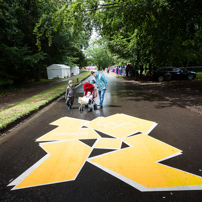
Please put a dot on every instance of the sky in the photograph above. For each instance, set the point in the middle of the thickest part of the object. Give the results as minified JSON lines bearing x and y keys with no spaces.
{"x":94,"y":35}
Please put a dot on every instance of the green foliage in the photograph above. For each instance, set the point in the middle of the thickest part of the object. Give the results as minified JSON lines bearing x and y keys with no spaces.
{"x":98,"y":55}
{"x":198,"y":76}
{"x":38,"y":33}
{"x":19,"y":55}
{"x":34,"y":35}
{"x":163,"y":32}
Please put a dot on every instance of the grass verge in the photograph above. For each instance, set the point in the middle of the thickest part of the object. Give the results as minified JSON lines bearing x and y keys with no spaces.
{"x":198,"y":76}
{"x":22,"y":87}
{"x":11,"y":114}
{"x":19,"y":88}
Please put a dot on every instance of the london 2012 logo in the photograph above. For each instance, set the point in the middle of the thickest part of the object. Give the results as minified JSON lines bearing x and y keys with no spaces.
{"x":134,"y":158}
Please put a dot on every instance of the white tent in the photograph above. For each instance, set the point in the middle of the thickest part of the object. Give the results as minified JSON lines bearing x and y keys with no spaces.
{"x":75,"y":70}
{"x":58,"y":70}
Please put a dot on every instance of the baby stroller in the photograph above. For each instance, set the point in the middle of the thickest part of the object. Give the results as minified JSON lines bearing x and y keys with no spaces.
{"x":88,"y":102}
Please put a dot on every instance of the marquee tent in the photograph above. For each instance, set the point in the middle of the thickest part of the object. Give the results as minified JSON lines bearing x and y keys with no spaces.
{"x":58,"y":70}
{"x":75,"y":70}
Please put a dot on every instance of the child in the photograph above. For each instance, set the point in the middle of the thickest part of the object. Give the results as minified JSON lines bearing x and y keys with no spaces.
{"x":70,"y":94}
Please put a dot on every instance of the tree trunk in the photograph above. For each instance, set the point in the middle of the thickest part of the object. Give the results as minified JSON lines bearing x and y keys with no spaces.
{"x":187,"y":64}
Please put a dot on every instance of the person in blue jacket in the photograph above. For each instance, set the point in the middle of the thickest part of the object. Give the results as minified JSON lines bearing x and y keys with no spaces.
{"x":102,"y":85}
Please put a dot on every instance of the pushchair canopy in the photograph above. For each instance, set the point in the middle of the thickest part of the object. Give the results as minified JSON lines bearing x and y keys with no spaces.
{"x":88,"y":87}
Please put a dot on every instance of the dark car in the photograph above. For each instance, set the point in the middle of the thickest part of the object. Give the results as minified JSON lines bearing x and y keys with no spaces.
{"x":168,"y":73}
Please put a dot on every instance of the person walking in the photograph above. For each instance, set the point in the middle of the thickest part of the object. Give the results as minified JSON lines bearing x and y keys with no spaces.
{"x":102,"y":86}
{"x":70,"y":95}
{"x":117,"y":69}
{"x":127,"y":69}
{"x":108,"y":70}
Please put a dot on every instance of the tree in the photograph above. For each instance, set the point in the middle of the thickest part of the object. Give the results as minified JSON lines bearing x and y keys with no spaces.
{"x":164,"y":32}
{"x":32,"y":38}
{"x":98,"y":54}
{"x":158,"y":32}
{"x":18,"y":55}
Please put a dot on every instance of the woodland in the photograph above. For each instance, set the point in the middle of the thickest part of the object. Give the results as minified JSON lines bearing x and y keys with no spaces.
{"x":37,"y":33}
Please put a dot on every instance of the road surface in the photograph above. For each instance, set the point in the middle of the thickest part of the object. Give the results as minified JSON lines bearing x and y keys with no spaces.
{"x":144,"y":148}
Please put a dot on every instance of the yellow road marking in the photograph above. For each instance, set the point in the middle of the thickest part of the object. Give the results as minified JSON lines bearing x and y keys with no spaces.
{"x":138,"y":163}
{"x":64,"y":163}
{"x":120,"y":125}
{"x":69,"y":129}
{"x":107,"y":143}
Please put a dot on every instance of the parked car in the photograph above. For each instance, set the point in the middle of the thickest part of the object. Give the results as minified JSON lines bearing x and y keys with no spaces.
{"x":168,"y":73}
{"x":192,"y":68}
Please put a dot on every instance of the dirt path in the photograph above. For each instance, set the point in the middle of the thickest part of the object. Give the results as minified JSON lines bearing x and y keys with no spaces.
{"x":30,"y":90}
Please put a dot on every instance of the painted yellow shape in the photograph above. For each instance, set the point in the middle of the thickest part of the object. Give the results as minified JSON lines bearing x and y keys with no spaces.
{"x":120,"y":125}
{"x":138,"y":163}
{"x":69,"y":129}
{"x":64,"y":163}
{"x":107,"y":143}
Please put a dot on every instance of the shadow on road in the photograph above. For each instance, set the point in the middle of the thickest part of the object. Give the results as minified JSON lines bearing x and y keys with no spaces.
{"x":137,"y":95}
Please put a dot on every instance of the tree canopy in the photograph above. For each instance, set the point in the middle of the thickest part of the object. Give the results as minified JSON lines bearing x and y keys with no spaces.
{"x":37,"y":33}
{"x":25,"y":54}
{"x":98,"y":54}
{"x":162,"y":32}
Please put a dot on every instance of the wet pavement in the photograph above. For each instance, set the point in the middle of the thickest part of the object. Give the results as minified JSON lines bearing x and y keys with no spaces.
{"x":177,"y":127}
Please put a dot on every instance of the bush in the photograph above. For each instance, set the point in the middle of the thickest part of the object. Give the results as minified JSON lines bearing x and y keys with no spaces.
{"x":5,"y":83}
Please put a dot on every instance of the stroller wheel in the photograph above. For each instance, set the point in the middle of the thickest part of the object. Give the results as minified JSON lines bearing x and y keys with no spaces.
{"x":86,"y":106}
{"x":95,"y":106}
{"x":89,"y":109}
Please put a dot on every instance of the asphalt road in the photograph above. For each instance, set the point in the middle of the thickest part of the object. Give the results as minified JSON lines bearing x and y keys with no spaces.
{"x":177,"y":126}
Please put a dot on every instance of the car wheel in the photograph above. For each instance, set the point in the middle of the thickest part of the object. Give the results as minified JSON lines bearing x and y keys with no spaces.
{"x":190,"y":77}
{"x":160,"y":78}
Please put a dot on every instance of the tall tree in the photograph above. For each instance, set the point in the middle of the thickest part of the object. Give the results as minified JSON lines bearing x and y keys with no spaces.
{"x":164,"y":32}
{"x":32,"y":38}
